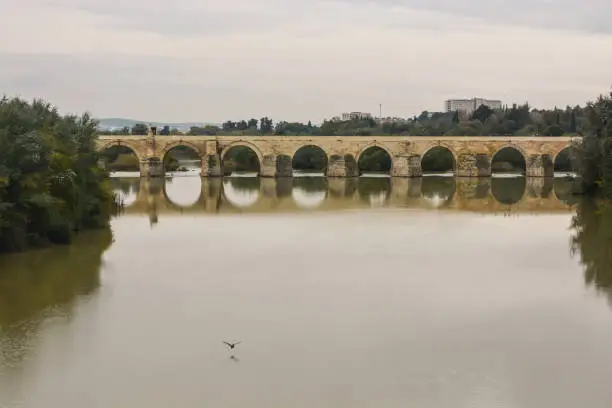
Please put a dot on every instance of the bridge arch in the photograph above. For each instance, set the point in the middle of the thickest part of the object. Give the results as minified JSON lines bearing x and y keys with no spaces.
{"x":312,"y":160}
{"x":508,"y":148}
{"x":248,"y":145}
{"x":429,"y":160}
{"x":562,"y":159}
{"x":375,"y":146}
{"x":180,"y":143}
{"x":123,"y":143}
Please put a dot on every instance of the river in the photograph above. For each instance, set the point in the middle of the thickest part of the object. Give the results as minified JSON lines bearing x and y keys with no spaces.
{"x":371,"y":292}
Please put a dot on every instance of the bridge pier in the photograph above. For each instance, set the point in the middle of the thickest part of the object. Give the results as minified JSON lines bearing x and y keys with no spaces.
{"x":152,"y":167}
{"x":276,"y":165}
{"x":401,"y":166}
{"x":211,"y":166}
{"x":342,"y":166}
{"x":473,"y":165}
{"x":414,"y":168}
{"x":211,"y":194}
{"x":540,"y":165}
{"x":211,"y":161}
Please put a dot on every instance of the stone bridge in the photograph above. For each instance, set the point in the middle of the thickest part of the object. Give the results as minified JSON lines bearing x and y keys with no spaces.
{"x":473,"y":155}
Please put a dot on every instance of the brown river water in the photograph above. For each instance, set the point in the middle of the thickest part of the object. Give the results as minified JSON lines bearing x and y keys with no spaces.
{"x":430,"y":293}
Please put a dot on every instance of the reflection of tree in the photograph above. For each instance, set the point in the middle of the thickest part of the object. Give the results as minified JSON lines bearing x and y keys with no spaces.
{"x":46,"y":283}
{"x":592,"y":240}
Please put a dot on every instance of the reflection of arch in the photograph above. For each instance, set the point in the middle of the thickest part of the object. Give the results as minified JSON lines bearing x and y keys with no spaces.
{"x":509,"y":147}
{"x":309,"y":193}
{"x":509,"y":191}
{"x":126,"y":189}
{"x":182,"y":180}
{"x":319,"y":149}
{"x":441,"y":147}
{"x":180,"y":143}
{"x":376,"y":191}
{"x":122,"y":143}
{"x":438,"y":191}
{"x":241,"y":192}
{"x":375,"y":145}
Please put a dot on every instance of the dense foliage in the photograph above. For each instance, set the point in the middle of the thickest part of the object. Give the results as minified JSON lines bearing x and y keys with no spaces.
{"x":50,"y":182}
{"x":594,"y":153}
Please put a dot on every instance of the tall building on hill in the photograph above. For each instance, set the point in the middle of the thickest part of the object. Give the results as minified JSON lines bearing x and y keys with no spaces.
{"x":468,"y":106}
{"x":356,"y":115}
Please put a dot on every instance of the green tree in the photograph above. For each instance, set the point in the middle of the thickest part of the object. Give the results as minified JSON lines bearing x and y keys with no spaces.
{"x":265,"y":125}
{"x":483,"y":113}
{"x":553,"y":130}
{"x":165,"y":131}
{"x":50,"y":182}
{"x":594,"y":151}
{"x":140,"y":129}
{"x":456,"y":118}
{"x":573,"y":124}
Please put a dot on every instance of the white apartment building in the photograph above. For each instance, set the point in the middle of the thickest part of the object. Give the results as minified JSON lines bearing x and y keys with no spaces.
{"x":356,"y":115}
{"x":468,"y":106}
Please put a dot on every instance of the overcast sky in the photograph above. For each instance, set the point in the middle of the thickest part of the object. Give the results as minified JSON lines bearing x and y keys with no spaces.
{"x":212,"y":60}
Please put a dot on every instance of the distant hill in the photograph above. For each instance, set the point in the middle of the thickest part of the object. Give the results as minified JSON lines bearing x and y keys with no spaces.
{"x":118,"y":123}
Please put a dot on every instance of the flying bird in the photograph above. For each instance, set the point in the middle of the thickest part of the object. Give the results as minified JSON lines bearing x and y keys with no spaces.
{"x":231,"y":345}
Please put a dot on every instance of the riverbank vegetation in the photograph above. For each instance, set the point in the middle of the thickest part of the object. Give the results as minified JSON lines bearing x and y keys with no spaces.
{"x":594,"y":151}
{"x":50,"y":184}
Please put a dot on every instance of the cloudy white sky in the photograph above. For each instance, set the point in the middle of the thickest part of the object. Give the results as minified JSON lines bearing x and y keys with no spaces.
{"x":212,"y":60}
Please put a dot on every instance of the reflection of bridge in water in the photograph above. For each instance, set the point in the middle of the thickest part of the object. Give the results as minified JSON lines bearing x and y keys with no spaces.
{"x":261,"y":195}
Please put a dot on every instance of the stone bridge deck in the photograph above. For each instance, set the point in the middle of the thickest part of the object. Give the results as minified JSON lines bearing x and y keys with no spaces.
{"x":473,"y":155}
